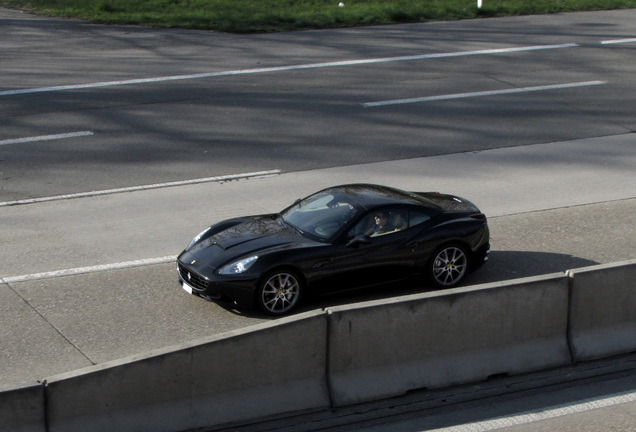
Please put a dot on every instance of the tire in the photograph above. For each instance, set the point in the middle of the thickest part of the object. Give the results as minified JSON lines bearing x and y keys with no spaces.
{"x":448,"y":266}
{"x":279,"y":292}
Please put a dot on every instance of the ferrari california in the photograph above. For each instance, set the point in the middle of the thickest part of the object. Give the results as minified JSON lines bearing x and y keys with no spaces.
{"x":341,"y":238}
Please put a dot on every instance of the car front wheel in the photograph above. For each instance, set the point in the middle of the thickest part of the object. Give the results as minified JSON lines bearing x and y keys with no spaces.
{"x":279,"y":292}
{"x":448,"y":266}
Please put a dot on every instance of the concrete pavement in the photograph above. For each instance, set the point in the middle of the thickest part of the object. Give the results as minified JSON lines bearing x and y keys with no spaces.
{"x":159,"y":223}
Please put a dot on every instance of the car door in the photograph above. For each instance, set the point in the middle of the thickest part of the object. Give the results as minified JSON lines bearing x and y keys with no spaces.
{"x":371,"y":254}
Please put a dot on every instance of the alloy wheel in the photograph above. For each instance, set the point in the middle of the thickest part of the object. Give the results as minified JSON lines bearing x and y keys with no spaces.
{"x":449,"y":266}
{"x":279,"y":293}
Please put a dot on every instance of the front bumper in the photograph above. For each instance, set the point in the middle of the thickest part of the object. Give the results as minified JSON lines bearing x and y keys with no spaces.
{"x":232,"y":291}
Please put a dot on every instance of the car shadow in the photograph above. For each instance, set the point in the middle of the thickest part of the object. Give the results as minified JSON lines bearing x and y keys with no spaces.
{"x":505,"y":265}
{"x":501,"y":266}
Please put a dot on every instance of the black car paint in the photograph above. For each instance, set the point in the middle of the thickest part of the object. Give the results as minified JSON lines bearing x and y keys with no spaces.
{"x":336,"y":263}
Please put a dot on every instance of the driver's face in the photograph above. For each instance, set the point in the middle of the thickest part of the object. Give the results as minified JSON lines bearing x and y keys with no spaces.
{"x":379,"y":219}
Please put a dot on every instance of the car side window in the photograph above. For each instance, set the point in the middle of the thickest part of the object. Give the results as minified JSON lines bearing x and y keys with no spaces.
{"x":381,"y":222}
{"x":417,"y":218}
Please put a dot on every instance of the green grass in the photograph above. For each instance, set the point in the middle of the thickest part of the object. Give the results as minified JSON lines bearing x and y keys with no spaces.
{"x":248,"y":16}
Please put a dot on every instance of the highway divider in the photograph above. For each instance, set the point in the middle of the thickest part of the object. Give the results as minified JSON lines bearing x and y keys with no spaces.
{"x":385,"y":348}
{"x":344,"y":355}
{"x":258,"y":372}
{"x":603,"y":310}
{"x":22,"y":408}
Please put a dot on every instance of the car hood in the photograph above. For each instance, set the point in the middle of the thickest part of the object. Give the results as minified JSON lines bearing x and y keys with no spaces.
{"x":252,"y":236}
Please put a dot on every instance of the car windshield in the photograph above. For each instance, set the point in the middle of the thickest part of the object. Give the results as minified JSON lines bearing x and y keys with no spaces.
{"x":321,"y":215}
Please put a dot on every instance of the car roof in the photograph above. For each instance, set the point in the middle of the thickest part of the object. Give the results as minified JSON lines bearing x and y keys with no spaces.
{"x":370,"y":196}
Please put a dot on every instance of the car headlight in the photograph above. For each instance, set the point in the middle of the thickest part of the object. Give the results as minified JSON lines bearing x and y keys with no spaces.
{"x":239,"y":266}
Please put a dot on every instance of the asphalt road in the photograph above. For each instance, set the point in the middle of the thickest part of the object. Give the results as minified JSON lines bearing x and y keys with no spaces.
{"x":135,"y":106}
{"x":90,"y":278}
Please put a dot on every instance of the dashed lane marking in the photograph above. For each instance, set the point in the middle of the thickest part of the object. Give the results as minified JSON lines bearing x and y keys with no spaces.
{"x":618,"y":41}
{"x":46,"y":138}
{"x":89,"y":269}
{"x":283,"y":69}
{"x":231,"y":177}
{"x":480,"y":94}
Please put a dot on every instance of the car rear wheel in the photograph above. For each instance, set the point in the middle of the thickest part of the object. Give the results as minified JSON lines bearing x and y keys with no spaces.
{"x":279,"y":292}
{"x":448,"y":266}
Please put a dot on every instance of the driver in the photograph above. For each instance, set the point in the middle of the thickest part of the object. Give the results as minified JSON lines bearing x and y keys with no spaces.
{"x":381,"y":224}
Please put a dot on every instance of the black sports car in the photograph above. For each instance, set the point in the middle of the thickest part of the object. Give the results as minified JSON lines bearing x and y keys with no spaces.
{"x":340,"y":238}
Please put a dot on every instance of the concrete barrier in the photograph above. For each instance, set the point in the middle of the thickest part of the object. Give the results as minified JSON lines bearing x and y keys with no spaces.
{"x":268,"y":369}
{"x":345,"y":355}
{"x":385,"y":348}
{"x":603,"y":310}
{"x":22,"y":408}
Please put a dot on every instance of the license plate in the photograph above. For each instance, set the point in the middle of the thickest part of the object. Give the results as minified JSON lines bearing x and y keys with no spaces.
{"x":187,"y":287}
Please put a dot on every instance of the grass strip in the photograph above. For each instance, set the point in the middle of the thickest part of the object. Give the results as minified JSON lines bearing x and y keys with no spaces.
{"x":261,"y":16}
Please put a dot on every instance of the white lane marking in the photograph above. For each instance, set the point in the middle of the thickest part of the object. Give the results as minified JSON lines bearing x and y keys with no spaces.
{"x":283,"y":69}
{"x":481,"y":94}
{"x":90,"y":269}
{"x":143,"y":187}
{"x":543,"y":414}
{"x":46,"y":137}
{"x":618,"y":41}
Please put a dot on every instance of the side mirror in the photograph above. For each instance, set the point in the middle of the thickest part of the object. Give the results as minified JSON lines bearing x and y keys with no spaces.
{"x":359,"y":240}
